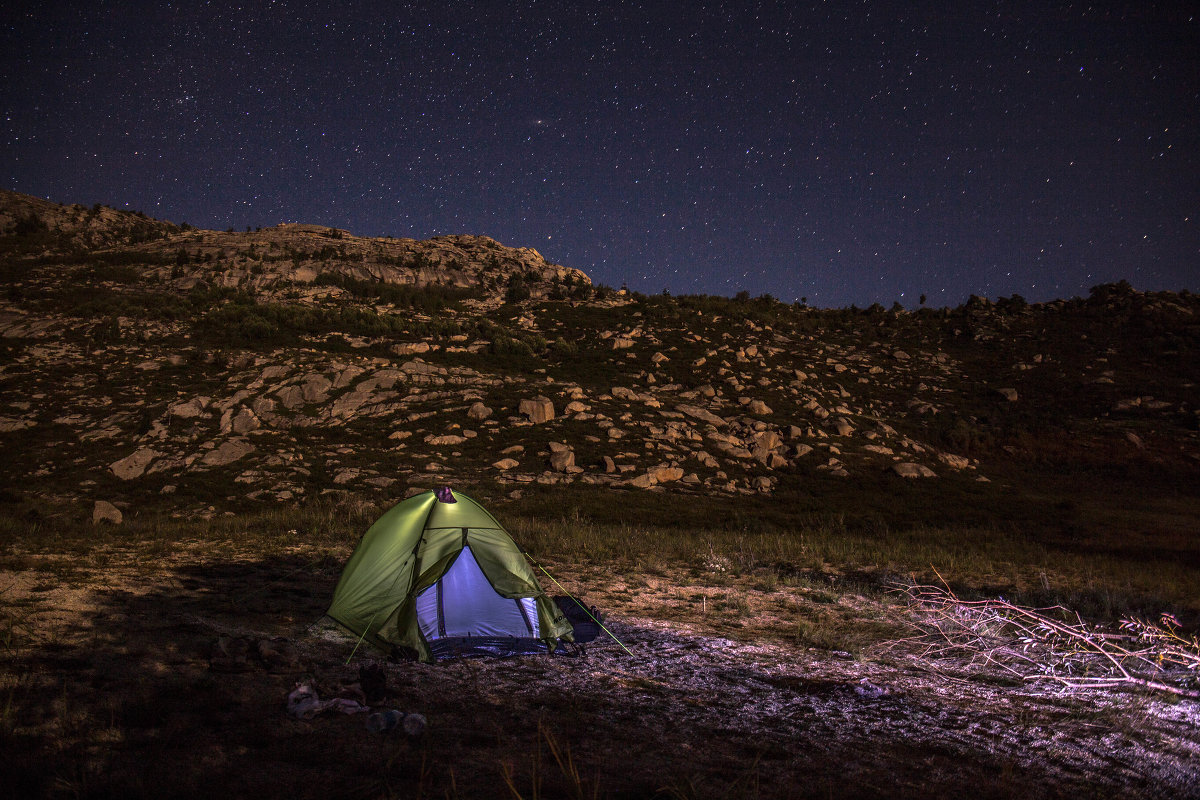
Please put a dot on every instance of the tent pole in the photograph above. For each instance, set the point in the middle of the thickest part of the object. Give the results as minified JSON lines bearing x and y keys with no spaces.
{"x":581,"y":605}
{"x":360,"y":639}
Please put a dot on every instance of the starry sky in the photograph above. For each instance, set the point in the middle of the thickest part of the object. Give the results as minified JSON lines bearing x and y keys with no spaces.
{"x":842,"y":152}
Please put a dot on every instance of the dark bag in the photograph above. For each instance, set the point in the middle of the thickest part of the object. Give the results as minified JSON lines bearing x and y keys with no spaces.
{"x":584,"y":620}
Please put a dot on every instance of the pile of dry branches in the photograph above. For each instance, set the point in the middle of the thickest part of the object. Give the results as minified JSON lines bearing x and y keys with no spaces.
{"x":1054,"y":644}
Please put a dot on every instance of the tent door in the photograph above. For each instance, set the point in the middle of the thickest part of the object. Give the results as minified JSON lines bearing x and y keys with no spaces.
{"x":463,"y":604}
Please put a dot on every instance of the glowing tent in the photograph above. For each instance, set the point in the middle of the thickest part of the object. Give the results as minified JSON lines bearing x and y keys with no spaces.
{"x":437,"y":576}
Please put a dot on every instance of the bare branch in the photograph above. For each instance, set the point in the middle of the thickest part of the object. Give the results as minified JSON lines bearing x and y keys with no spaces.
{"x":1053,"y":644}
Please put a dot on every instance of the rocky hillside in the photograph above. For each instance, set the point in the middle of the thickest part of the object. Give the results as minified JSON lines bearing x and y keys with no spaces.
{"x":270,"y":261}
{"x":143,"y":360}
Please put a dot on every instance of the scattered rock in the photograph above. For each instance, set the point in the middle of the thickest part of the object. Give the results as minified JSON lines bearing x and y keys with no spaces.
{"x":449,"y":439}
{"x":346,"y":476}
{"x":643,"y":481}
{"x":756,"y":406}
{"x":666,"y":474}
{"x":953,"y":461}
{"x":907,"y":469}
{"x":104,"y":511}
{"x":842,"y":426}
{"x":704,"y":415}
{"x":562,"y":458}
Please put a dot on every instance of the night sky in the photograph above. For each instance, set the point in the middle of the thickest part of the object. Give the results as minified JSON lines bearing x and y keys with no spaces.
{"x":841,"y":152}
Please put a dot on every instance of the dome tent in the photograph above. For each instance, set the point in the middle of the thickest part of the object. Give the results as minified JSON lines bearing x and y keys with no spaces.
{"x":437,"y":576}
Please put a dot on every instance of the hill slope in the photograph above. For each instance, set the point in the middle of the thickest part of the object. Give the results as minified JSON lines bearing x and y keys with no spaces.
{"x":213,"y":369}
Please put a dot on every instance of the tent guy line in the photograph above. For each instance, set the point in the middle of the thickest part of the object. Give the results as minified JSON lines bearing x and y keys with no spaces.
{"x":586,"y":610}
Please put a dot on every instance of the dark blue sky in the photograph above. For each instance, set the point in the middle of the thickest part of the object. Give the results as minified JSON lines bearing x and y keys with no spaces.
{"x":845,"y":152}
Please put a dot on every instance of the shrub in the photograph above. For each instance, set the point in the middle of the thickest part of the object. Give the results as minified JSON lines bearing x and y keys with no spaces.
{"x":430,"y":299}
{"x":517,"y":289}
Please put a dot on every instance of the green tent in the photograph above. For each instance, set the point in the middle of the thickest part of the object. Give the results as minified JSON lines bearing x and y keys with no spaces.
{"x":437,"y":576}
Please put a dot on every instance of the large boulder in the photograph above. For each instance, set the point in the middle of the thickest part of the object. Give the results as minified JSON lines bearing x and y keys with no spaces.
{"x":666,"y":474}
{"x":104,"y":511}
{"x":768,"y":440}
{"x":292,"y":396}
{"x":245,"y":421}
{"x":132,"y":466}
{"x":539,"y":409}
{"x":316,"y":388}
{"x":762,"y":484}
{"x":345,"y":406}
{"x":907,"y":469}
{"x":189,"y":409}
{"x":227,"y":453}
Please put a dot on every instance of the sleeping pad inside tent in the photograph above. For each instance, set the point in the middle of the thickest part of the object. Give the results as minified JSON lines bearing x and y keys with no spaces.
{"x":437,"y":577}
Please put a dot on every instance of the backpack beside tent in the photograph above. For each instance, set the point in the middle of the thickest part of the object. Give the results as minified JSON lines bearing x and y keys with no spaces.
{"x":437,"y":577}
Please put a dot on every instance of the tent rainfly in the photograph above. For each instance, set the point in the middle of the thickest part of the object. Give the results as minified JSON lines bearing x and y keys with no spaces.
{"x":437,"y":577}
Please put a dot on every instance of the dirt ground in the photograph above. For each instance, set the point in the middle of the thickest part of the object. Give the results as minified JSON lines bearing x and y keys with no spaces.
{"x":107,"y":689}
